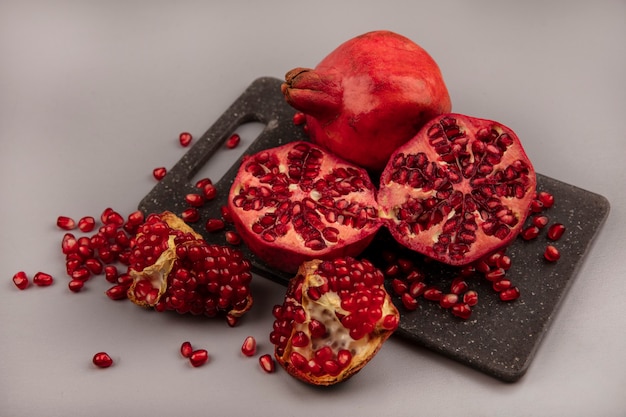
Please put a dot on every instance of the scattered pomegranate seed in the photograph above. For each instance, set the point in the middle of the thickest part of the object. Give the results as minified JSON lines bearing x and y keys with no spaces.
{"x":448,"y":300}
{"x":20,"y":280}
{"x":198,"y":357}
{"x":299,"y":118}
{"x":409,"y":302}
{"x":66,"y":223}
{"x":461,"y":310}
{"x":529,"y":233}
{"x":203,"y":182}
{"x":458,"y":286}
{"x":470,"y":298}
{"x":194,"y":200}
{"x":42,"y":279}
{"x":417,"y":288}
{"x":502,"y":284}
{"x":510,"y":294}
{"x":226,"y":214}
{"x":433,"y":294}
{"x":233,"y":141}
{"x":110,"y":273}
{"x":159,"y":173}
{"x":186,"y":350}
{"x":555,"y":231}
{"x":540,"y":221}
{"x":117,"y":292}
{"x":185,"y":139}
{"x":504,"y":262}
{"x":102,"y":360}
{"x":135,"y":218}
{"x":214,"y":225}
{"x":232,"y":238}
{"x":190,"y":215}
{"x":547,"y":199}
{"x":267,"y":363}
{"x":399,"y":286}
{"x":248,"y":347}
{"x":536,"y":206}
{"x":551,"y":253}
{"x":76,"y":285}
{"x":209,"y":191}
{"x":86,"y":224}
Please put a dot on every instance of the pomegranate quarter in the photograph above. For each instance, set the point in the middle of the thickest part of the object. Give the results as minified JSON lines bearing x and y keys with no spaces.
{"x":297,"y":202}
{"x":459,"y":190}
{"x":335,"y":317}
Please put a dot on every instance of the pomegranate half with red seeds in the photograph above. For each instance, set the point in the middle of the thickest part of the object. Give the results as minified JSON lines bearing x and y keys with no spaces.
{"x":459,"y":190}
{"x":368,"y":96}
{"x":297,"y":202}
{"x":173,"y":268}
{"x":335,"y":317}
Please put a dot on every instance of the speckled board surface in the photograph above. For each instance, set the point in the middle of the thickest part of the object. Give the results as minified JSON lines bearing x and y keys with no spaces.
{"x":500,"y":338}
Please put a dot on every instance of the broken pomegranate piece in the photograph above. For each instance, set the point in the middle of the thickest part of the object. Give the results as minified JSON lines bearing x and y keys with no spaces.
{"x":297,"y":202}
{"x":335,"y":317}
{"x":460,"y":189}
{"x":173,"y":268}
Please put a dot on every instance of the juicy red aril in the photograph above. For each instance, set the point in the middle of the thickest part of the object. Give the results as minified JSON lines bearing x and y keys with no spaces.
{"x":547,"y":199}
{"x":20,"y":279}
{"x":501,"y":285}
{"x":510,"y":294}
{"x":432,"y":294}
{"x":198,"y":357}
{"x":267,"y":363}
{"x":209,"y":191}
{"x":551,"y":253}
{"x":102,"y":360}
{"x":299,"y":118}
{"x":186,"y":349}
{"x":110,"y":273}
{"x":159,"y":173}
{"x":76,"y":285}
{"x":529,"y":233}
{"x":399,"y":286}
{"x":470,"y":298}
{"x":232,"y":238}
{"x":248,"y":347}
{"x":233,"y":141}
{"x":185,"y":139}
{"x":409,"y":302}
{"x":540,"y":221}
{"x":117,"y":292}
{"x":461,"y":310}
{"x":66,"y":223}
{"x":448,"y":300}
{"x":458,"y":286}
{"x":42,"y":279}
{"x":190,"y":215}
{"x":202,"y":182}
{"x":194,"y":200}
{"x":555,"y":231}
{"x":86,"y":224}
{"x":214,"y":225}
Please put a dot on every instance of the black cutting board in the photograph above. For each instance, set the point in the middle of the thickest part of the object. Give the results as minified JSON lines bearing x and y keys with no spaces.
{"x":499,"y":339}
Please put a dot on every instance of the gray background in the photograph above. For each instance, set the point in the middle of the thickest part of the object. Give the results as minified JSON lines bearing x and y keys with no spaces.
{"x":92,"y":98}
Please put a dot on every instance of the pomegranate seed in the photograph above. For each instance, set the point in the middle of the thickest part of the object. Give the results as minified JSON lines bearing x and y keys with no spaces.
{"x":20,"y":280}
{"x":392,"y":270}
{"x":203,"y":182}
{"x":248,"y":347}
{"x":529,"y":233}
{"x":117,"y":292}
{"x":233,"y":141}
{"x":198,"y":357}
{"x":232,"y":320}
{"x":185,"y":139}
{"x":433,"y":294}
{"x":159,"y":173}
{"x":86,"y":224}
{"x":113,"y":218}
{"x":299,"y":118}
{"x":226,"y":214}
{"x":42,"y":279}
{"x":102,"y":360}
{"x":267,"y":363}
{"x":504,"y":262}
{"x":110,"y":273}
{"x":417,"y":288}
{"x":551,"y":253}
{"x":547,"y":199}
{"x":470,"y":298}
{"x":536,"y":206}
{"x":69,"y":244}
{"x":510,"y":294}
{"x":186,"y":350}
{"x":190,"y":215}
{"x":209,"y":191}
{"x":135,"y":218}
{"x":399,"y":286}
{"x":409,"y":302}
{"x":555,"y":231}
{"x":105,"y":214}
{"x":540,"y":221}
{"x":448,"y":300}
{"x":495,"y":274}
{"x":461,"y":310}
{"x":75,"y":285}
{"x":81,"y":273}
{"x":214,"y":225}
{"x":458,"y":286}
{"x":66,"y":223}
{"x":94,"y":266}
{"x":232,"y":237}
{"x":501,"y":285}
{"x":195,"y":200}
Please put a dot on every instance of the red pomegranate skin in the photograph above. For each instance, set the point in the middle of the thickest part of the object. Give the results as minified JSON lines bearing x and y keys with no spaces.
{"x":368,"y":96}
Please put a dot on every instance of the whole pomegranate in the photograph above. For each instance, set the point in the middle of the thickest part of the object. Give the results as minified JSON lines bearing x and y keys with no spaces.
{"x":335,"y":317}
{"x":368,"y":96}
{"x":173,"y":268}
{"x":297,"y":202}
{"x":459,"y":190}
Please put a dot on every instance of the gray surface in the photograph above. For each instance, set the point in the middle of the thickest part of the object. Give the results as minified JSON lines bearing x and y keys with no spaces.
{"x":93,"y":96}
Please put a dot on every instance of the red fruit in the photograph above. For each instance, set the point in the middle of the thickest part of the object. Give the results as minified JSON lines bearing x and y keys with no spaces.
{"x":198,"y":357}
{"x":555,"y":231}
{"x":185,"y":139}
{"x":552,"y":254}
{"x":194,"y":199}
{"x":297,"y":202}
{"x":186,"y":350}
{"x":20,"y":279}
{"x":102,"y":360}
{"x":213,"y":225}
{"x":233,"y":141}
{"x":42,"y":279}
{"x":173,"y":268}
{"x":76,"y":285}
{"x":267,"y":363}
{"x":459,"y":190}
{"x":159,"y":173}
{"x":190,"y":215}
{"x":510,"y":294}
{"x":368,"y":96}
{"x":335,"y":317}
{"x":86,"y":224}
{"x":530,"y":233}
{"x":248,"y":347}
{"x":66,"y":223}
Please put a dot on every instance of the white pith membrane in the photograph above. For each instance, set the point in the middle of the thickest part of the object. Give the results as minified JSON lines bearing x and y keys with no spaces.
{"x":457,"y":206}
{"x":327,"y":310}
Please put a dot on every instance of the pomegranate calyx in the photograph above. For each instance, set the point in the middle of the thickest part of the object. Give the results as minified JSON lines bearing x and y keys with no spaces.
{"x":311,"y":92}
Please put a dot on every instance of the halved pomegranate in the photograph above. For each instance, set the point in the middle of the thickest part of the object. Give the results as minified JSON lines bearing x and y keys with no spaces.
{"x":173,"y":268}
{"x":335,"y":317}
{"x":459,"y":190}
{"x":297,"y":202}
